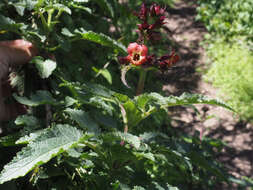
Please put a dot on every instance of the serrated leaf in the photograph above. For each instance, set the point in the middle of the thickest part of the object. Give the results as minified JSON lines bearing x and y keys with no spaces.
{"x":29,"y":138}
{"x":45,"y":68}
{"x":98,"y":90}
{"x":53,"y":142}
{"x":149,"y":136}
{"x":26,"y":120}
{"x":83,"y":119}
{"x":41,"y":97}
{"x":100,"y":103}
{"x":184,"y":99}
{"x":101,"y":39}
{"x":187,"y":98}
{"x":126,"y":137}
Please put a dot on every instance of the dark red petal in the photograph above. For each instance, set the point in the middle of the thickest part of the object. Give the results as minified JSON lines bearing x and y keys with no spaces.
{"x":123,"y":60}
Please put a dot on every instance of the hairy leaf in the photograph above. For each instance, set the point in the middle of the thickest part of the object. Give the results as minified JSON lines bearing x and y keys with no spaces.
{"x":102,"y":40}
{"x":26,"y":120}
{"x":126,"y":137}
{"x":39,"y":98}
{"x":184,"y":99}
{"x":83,"y":119}
{"x":48,"y":145}
{"x":45,"y":68}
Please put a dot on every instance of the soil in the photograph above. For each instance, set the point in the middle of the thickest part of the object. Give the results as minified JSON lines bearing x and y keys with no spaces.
{"x":188,"y":35}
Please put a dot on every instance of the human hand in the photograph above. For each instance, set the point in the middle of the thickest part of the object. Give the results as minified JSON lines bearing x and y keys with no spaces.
{"x":12,"y":53}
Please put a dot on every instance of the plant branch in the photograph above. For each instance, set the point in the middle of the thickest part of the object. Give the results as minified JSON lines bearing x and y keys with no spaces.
{"x":142,"y":78}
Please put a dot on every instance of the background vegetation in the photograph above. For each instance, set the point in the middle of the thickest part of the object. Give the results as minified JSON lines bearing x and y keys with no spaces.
{"x":230,"y":50}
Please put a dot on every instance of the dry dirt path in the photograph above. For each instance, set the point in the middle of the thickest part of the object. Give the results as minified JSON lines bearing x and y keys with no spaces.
{"x":188,"y":35}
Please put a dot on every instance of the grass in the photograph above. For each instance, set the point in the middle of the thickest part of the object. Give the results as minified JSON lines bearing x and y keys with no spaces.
{"x":232,"y":72}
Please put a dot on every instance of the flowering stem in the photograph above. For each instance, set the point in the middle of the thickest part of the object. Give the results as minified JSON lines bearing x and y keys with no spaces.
{"x":142,"y":78}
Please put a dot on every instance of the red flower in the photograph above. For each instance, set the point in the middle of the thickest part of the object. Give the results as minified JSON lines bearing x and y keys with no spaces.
{"x":156,"y":10}
{"x":158,"y":23}
{"x":137,"y":53}
{"x":167,"y":61}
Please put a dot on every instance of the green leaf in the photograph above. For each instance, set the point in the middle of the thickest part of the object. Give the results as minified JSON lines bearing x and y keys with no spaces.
{"x":185,"y":99}
{"x":102,"y":40}
{"x":106,"y":5}
{"x":102,"y":104}
{"x":59,"y":7}
{"x":105,"y":73}
{"x":29,"y":138}
{"x":41,"y":97}
{"x":81,"y":1}
{"x":9,"y":24}
{"x":83,"y":119}
{"x":26,"y":120}
{"x":138,"y":188}
{"x":148,"y":137}
{"x":126,"y":137}
{"x":98,"y":90}
{"x":67,"y":33}
{"x":188,"y":99}
{"x":45,"y":68}
{"x":69,"y":101}
{"x":133,"y":114}
{"x":20,"y":8}
{"x":50,"y":144}
{"x":9,"y":140}
{"x":148,"y":155}
{"x":171,"y":187}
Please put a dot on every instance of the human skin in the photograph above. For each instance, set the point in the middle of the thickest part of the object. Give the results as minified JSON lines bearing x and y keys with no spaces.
{"x":12,"y":53}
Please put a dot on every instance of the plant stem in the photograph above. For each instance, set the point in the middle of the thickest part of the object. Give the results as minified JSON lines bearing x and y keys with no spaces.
{"x":140,"y":87}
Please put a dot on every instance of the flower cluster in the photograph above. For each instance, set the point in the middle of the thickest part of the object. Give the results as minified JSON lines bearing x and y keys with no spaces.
{"x":138,"y":52}
{"x":138,"y":55}
{"x":154,"y":14}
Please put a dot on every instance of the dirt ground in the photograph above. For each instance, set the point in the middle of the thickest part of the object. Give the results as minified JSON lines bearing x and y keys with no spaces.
{"x":188,"y":35}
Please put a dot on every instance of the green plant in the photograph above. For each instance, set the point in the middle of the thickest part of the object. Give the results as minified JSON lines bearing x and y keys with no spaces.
{"x":84,"y":129}
{"x":231,"y":71}
{"x":227,"y":18}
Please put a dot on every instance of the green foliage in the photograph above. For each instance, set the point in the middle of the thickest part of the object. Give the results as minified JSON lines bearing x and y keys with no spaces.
{"x":45,"y":68}
{"x":49,"y":144}
{"x":82,"y":131}
{"x":231,"y":71}
{"x":227,"y":18}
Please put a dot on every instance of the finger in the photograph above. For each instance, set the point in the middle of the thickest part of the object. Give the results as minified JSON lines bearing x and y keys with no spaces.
{"x":6,"y":88}
{"x":11,"y":111}
{"x":17,"y":52}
